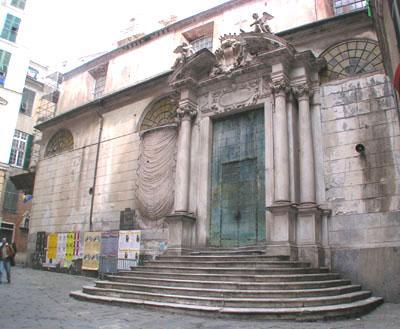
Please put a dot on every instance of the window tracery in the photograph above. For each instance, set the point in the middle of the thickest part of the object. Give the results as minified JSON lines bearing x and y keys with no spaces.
{"x":351,"y":57}
{"x":61,"y":141}
{"x":162,"y":113}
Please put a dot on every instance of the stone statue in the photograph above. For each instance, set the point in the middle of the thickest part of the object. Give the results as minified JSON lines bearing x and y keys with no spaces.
{"x":184,"y":50}
{"x":260,"y":23}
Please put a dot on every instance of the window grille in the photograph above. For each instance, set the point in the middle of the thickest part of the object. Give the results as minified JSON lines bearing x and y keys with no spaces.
{"x":18,"y":149}
{"x":99,"y":85}
{"x":346,"y":6}
{"x":200,"y":43}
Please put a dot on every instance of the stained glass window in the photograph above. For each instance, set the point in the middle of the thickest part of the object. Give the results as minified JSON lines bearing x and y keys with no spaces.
{"x":351,"y":58}
{"x":60,"y":142}
{"x":162,"y":113}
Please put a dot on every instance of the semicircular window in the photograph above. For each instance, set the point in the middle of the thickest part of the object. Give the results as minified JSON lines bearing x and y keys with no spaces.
{"x":61,"y":141}
{"x":161,"y":114}
{"x":350,"y":58}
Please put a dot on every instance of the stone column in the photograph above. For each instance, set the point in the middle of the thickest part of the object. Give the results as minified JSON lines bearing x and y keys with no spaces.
{"x":308,"y":233}
{"x":186,"y":112}
{"x":307,"y":172}
{"x":281,"y":143}
{"x":282,"y":228}
{"x":181,"y":224}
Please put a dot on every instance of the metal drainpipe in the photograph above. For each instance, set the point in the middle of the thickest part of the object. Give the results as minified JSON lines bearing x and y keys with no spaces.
{"x":93,"y":188}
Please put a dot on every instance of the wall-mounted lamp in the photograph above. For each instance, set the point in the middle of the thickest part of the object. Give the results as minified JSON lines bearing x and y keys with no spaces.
{"x":360,"y":148}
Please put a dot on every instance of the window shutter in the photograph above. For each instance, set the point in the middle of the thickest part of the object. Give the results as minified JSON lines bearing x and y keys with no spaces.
{"x":28,"y":152}
{"x":10,"y":28}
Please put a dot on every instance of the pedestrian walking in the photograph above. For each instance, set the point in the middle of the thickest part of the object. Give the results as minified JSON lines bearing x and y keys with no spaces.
{"x":6,"y":257}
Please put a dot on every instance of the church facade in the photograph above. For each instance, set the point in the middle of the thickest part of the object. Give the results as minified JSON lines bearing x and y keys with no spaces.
{"x":286,"y":140}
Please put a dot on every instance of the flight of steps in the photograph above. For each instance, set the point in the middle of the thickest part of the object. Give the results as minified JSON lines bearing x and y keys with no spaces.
{"x":241,"y":282}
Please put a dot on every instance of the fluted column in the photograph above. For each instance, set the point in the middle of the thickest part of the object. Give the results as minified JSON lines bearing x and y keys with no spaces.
{"x":281,"y":142}
{"x":186,"y":112}
{"x":307,"y":175}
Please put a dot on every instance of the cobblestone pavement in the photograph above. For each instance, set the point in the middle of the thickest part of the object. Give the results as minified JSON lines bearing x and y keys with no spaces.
{"x":39,"y":299}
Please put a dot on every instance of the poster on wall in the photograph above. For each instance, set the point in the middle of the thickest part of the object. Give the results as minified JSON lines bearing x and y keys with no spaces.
{"x":128,"y":249}
{"x":78,"y":245}
{"x":51,"y":253}
{"x":69,"y":249}
{"x":61,"y":248}
{"x":91,"y":251}
{"x":109,"y":244}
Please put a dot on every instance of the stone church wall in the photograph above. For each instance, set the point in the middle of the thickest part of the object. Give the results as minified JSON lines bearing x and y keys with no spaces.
{"x":363,"y":189}
{"x":62,"y":200}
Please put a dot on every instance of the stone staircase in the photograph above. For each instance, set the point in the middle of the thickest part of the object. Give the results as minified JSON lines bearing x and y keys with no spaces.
{"x":242,"y":282}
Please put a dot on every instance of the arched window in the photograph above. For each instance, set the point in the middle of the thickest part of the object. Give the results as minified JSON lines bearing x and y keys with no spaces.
{"x":161,"y":114}
{"x":60,"y":142}
{"x":351,"y":57}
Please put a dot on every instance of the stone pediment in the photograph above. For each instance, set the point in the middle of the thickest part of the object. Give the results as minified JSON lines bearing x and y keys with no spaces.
{"x":237,"y":52}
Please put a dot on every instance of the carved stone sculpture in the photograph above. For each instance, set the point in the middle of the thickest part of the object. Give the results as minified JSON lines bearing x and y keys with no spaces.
{"x":260,"y":23}
{"x":184,"y":50}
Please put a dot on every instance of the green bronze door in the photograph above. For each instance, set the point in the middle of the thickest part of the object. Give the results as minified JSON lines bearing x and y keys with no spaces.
{"x":238,"y":184}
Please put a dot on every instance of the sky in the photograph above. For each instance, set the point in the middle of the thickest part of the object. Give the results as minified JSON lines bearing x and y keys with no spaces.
{"x":60,"y":30}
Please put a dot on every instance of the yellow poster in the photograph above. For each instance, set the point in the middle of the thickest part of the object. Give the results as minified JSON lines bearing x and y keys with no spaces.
{"x":91,"y":251}
{"x":70,"y":248}
{"x":51,"y":248}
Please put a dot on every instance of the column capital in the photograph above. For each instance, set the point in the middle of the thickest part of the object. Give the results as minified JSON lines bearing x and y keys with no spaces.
{"x":280,"y":86}
{"x":302,"y":92}
{"x":186,"y":110}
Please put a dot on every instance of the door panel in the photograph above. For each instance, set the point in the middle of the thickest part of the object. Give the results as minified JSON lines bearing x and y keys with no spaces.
{"x":237,"y":190}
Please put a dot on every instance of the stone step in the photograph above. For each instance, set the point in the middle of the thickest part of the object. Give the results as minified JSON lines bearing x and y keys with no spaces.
{"x":222,"y":270}
{"x":218,"y":258}
{"x":303,"y":313}
{"x":204,"y":284}
{"x":228,"y":293}
{"x":230,"y":263}
{"x":249,"y":252}
{"x":233,"y":277}
{"x":230,"y":302}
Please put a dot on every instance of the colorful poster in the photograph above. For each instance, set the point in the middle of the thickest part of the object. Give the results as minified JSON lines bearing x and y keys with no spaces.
{"x":128,"y":249}
{"x":69,"y":250}
{"x":51,"y":249}
{"x":91,"y":251}
{"x":61,"y":248}
{"x":78,"y":245}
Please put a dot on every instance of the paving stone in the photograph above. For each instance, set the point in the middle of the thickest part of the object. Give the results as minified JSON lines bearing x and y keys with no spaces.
{"x":39,"y":299}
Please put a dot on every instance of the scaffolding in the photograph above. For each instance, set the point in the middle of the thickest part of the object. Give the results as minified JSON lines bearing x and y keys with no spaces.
{"x":45,"y":111}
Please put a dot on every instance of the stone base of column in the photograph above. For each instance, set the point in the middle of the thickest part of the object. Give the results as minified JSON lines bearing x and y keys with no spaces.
{"x":181,"y":228}
{"x":309,"y":233}
{"x":282,"y":230}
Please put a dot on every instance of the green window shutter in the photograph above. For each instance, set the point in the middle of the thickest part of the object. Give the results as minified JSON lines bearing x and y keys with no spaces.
{"x":28,"y":98}
{"x":18,"y":3}
{"x":10,"y":28}
{"x":28,"y":152}
{"x":4,"y":62}
{"x":10,"y":197}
